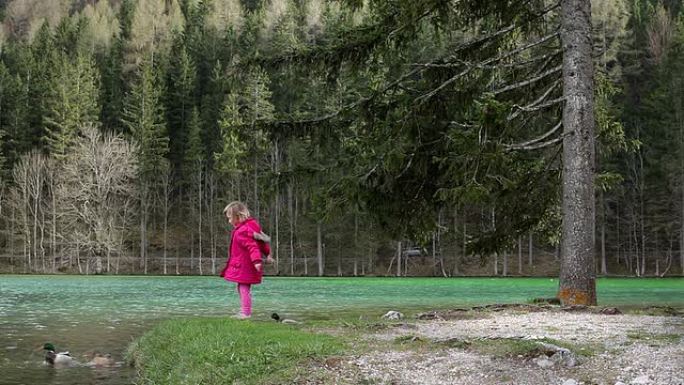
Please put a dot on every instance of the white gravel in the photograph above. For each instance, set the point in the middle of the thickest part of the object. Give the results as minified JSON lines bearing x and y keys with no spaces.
{"x":632,"y":350}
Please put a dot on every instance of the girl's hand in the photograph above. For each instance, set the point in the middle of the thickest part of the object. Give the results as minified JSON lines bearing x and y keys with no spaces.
{"x":257,"y":266}
{"x":269,"y":260}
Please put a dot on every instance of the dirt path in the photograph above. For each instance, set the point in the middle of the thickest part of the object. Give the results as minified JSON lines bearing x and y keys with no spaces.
{"x":491,"y":348}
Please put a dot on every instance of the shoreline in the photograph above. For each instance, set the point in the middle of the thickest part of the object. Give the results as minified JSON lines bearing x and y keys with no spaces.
{"x":492,"y":345}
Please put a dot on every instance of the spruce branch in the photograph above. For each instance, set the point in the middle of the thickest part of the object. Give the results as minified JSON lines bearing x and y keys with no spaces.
{"x":527,"y":82}
{"x":531,"y":144}
{"x":533,"y":106}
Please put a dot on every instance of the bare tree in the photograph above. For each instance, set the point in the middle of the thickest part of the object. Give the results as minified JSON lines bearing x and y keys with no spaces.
{"x":96,"y":187}
{"x":29,"y":175}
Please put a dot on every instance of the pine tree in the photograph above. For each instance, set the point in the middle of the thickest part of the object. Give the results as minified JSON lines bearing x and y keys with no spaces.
{"x":12,"y":116}
{"x":38,"y":81}
{"x":234,"y":146}
{"x":72,"y":102}
{"x":180,"y":99}
{"x":258,"y":108}
{"x":210,"y":108}
{"x":113,"y":73}
{"x":143,"y":116}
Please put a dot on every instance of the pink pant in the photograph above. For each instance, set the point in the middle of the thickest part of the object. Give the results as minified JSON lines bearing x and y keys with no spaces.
{"x":244,"y":289}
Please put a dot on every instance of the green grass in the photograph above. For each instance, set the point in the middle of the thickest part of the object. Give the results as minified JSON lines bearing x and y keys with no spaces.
{"x":220,"y":351}
{"x":499,"y":347}
{"x":663,"y":338}
{"x":511,"y":347}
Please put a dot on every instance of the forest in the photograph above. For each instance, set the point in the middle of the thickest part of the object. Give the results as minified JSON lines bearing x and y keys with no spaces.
{"x":368,"y":138}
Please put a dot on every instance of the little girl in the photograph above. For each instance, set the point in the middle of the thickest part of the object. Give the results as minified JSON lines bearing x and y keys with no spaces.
{"x":244,"y":265}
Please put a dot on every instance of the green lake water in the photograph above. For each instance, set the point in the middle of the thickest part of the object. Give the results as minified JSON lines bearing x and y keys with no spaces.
{"x":105,"y":313}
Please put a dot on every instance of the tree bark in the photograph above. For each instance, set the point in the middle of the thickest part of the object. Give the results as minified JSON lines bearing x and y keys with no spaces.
{"x":319,"y":247}
{"x":291,"y":217}
{"x":577,"y":271}
{"x":604,"y":266}
{"x":199,"y":218}
{"x":530,"y":255}
{"x":520,"y":259}
{"x":398,"y":259}
{"x":276,"y":214}
{"x":505,"y":263}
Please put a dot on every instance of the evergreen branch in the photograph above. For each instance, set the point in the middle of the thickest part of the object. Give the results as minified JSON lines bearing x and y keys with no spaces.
{"x":525,"y":63}
{"x":540,"y":145}
{"x":530,"y":143}
{"x":462,"y":125}
{"x":543,"y":105}
{"x":534,"y":106}
{"x":485,"y":63}
{"x":408,"y":165}
{"x":527,"y":82}
{"x":357,"y":42}
{"x":475,"y":42}
{"x":354,"y":42}
{"x":462,"y":47}
{"x":519,"y":64}
{"x":350,"y":106}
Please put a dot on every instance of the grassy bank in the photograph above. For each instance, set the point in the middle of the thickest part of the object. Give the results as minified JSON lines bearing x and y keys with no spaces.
{"x":220,"y":351}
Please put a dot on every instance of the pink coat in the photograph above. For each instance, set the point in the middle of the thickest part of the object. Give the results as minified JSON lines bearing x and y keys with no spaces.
{"x":244,"y":252}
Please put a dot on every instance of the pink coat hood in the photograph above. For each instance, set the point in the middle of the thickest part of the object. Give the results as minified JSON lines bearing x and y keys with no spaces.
{"x":244,"y":252}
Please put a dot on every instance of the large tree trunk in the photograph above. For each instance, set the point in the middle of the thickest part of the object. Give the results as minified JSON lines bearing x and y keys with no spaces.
{"x":577,"y":270}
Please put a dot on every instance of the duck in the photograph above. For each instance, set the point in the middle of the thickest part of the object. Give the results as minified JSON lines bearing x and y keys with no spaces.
{"x":277,"y":318}
{"x":61,"y":359}
{"x":100,"y":360}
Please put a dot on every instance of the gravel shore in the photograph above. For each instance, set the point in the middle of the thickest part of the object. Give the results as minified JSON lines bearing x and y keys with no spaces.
{"x":620,"y":350}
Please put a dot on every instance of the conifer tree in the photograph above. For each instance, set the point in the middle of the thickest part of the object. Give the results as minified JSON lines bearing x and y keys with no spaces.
{"x":12,"y":116}
{"x":180,"y":99}
{"x":113,"y":73}
{"x":257,"y":108}
{"x":194,"y":170}
{"x":234,"y":147}
{"x":143,"y":116}
{"x":72,"y":102}
{"x":38,"y":81}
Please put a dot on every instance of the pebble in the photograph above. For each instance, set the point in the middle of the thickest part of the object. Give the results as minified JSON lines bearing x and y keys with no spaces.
{"x":570,"y":381}
{"x":544,"y":363}
{"x":641,"y":380}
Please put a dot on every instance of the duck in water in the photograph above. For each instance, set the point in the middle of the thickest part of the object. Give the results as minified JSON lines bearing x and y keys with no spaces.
{"x":100,"y":360}
{"x":58,"y":360}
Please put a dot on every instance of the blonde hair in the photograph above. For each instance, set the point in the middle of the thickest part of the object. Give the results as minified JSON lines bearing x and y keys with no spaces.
{"x":237,"y":210}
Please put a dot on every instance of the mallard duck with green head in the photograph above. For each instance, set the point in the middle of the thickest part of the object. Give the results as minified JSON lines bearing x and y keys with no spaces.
{"x":61,"y":359}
